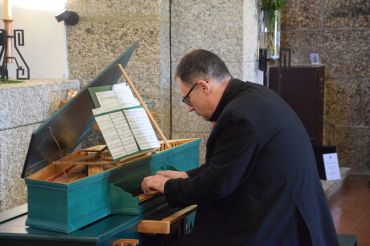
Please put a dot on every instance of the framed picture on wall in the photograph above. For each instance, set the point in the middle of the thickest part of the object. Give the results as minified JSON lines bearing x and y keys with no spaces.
{"x":314,"y":58}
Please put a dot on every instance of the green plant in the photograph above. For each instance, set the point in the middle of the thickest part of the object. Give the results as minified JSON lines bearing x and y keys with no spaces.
{"x":272,"y":4}
{"x":271,"y":21}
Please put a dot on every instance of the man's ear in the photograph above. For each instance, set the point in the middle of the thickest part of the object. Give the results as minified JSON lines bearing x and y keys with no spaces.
{"x":205,"y":86}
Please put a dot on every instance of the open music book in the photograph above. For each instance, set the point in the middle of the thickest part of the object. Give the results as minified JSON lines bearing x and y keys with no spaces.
{"x":123,"y":123}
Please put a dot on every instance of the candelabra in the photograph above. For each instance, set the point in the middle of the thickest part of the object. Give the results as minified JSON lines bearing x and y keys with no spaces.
{"x":8,"y":40}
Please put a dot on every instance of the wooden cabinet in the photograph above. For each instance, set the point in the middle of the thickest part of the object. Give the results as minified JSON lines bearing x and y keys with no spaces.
{"x":302,"y":87}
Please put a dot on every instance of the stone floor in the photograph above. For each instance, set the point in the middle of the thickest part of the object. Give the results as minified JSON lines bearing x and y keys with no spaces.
{"x":350,"y":208}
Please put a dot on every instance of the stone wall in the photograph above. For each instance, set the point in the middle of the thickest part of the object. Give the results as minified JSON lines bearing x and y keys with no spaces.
{"x":166,"y":31}
{"x":251,"y":15}
{"x":24,"y":107}
{"x":217,"y":26}
{"x":339,"y":30}
{"x":106,"y":28}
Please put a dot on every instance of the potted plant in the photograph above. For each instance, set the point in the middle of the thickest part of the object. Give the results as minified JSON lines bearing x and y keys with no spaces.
{"x":270,"y":30}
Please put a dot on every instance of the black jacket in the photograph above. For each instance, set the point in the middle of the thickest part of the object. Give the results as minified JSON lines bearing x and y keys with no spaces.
{"x":259,"y":185}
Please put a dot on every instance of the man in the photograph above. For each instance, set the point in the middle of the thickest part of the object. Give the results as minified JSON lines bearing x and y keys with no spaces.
{"x":259,"y":184}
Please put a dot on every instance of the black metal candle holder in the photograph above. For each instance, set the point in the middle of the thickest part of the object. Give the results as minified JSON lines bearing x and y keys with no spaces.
{"x":22,"y":71}
{"x":262,"y":64}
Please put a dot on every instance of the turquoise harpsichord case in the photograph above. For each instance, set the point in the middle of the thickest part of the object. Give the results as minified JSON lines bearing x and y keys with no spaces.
{"x":66,"y":207}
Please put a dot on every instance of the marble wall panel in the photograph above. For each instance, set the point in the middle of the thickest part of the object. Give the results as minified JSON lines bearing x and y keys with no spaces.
{"x":347,"y":13}
{"x":13,"y":149}
{"x":211,"y":12}
{"x":83,"y":69}
{"x":227,"y":43}
{"x":301,"y":14}
{"x":165,"y":75}
{"x":251,"y":72}
{"x":329,"y":133}
{"x":129,"y":8}
{"x":344,"y":52}
{"x":343,"y":102}
{"x":164,"y":8}
{"x":353,"y":147}
{"x":1,"y":176}
{"x":250,"y":31}
{"x":302,"y":43}
{"x":215,"y":25}
{"x":366,"y":101}
{"x":107,"y":28}
{"x":97,"y":39}
{"x":32,"y":101}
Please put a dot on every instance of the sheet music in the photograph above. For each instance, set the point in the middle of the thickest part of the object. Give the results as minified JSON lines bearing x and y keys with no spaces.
{"x":108,"y":100}
{"x":331,"y":165}
{"x":97,"y":111}
{"x":124,"y":132}
{"x":124,"y":95}
{"x":142,"y":128}
{"x":111,"y":136}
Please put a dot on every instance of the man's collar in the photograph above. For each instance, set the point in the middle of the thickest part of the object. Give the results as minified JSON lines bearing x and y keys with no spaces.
{"x":231,"y":90}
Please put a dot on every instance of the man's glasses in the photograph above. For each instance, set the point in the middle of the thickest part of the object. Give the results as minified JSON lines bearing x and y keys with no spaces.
{"x":186,"y":99}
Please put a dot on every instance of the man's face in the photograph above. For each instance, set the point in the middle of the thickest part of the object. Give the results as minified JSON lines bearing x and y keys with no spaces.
{"x":195,"y":100}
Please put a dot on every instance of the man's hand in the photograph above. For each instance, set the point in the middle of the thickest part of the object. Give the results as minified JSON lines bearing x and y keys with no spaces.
{"x":173,"y":174}
{"x":154,"y":183}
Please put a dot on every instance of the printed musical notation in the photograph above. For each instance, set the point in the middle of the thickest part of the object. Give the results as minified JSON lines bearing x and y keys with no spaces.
{"x":108,"y":100}
{"x":124,"y":124}
{"x":142,"y":128}
{"x":125,"y":96}
{"x":124,"y":133}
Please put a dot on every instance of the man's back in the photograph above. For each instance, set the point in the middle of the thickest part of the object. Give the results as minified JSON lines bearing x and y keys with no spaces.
{"x":259,"y":185}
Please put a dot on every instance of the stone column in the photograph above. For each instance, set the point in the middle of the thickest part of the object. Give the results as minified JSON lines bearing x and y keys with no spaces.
{"x":250,"y":42}
{"x":220,"y":26}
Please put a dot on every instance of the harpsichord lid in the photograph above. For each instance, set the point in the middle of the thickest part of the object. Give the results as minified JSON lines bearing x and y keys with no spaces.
{"x":64,"y":130}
